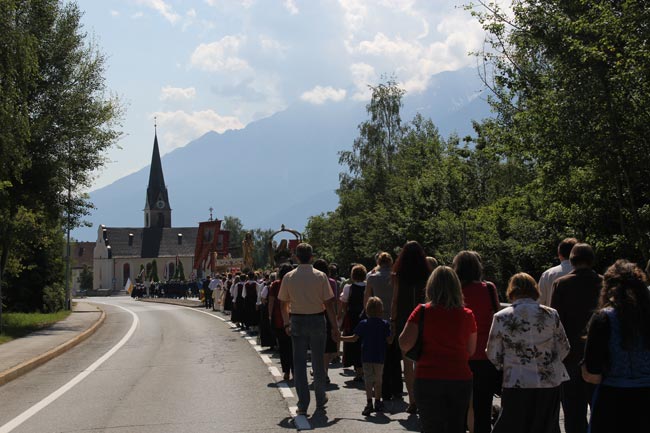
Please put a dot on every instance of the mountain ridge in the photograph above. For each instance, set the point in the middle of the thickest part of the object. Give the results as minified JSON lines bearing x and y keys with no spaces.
{"x":277,"y":170}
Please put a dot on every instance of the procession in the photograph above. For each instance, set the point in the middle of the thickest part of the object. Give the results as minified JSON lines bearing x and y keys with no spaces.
{"x":440,"y":338}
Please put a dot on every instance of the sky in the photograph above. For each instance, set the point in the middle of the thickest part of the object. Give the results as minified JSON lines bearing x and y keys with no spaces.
{"x":213,"y":65}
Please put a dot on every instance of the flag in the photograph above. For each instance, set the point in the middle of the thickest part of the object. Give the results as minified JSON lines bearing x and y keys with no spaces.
{"x":128,"y":286}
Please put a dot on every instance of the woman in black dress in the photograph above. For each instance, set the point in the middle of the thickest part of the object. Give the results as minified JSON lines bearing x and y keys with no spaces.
{"x":351,"y":310}
{"x":410,"y":274}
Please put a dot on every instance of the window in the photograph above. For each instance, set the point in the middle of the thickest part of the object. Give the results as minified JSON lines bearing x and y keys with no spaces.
{"x":126,"y":273}
{"x":171,"y":268}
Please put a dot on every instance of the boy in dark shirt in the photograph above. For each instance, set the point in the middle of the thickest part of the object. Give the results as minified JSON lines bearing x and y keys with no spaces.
{"x":374,"y":333}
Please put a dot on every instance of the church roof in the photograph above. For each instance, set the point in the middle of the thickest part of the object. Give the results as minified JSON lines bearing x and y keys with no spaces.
{"x":156,"y":188}
{"x":151,"y":242}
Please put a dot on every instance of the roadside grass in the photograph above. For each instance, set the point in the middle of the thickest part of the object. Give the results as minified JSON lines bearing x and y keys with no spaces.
{"x":18,"y":325}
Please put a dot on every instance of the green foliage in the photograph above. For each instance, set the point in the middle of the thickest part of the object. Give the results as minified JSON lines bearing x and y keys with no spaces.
{"x":18,"y":325}
{"x":53,"y":298}
{"x":563,"y":156}
{"x":181,"y":271}
{"x":237,"y":232}
{"x":153,"y":276}
{"x":571,"y":91}
{"x":56,"y":122}
{"x":85,"y":278}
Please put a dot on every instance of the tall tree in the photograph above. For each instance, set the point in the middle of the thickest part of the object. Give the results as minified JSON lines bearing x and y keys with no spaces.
{"x":56,"y":121}
{"x":571,"y":90}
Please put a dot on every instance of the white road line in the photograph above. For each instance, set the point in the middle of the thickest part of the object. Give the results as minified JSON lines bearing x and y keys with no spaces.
{"x":11,"y":425}
{"x":266,"y":358}
{"x":285,"y":390}
{"x":275,"y":372}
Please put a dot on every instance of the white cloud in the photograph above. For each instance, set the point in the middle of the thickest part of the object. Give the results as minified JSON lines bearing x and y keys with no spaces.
{"x":169,"y":93}
{"x":363,"y":75}
{"x":114,"y":13}
{"x":180,"y":127}
{"x":354,"y":13}
{"x":319,"y":95}
{"x":162,"y":8}
{"x":382,"y":45}
{"x":290,"y":5}
{"x":137,"y":15}
{"x":220,"y":55}
{"x":271,"y":45}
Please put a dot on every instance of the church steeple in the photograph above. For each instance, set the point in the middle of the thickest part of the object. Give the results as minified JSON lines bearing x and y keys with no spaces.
{"x":157,"y":212}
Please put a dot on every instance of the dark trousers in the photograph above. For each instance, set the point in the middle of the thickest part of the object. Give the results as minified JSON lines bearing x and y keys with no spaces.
{"x":442,"y":404}
{"x":576,"y":395}
{"x":485,"y":380}
{"x":286,"y":350}
{"x":529,"y":410}
{"x":620,"y":410}
{"x":392,"y":385}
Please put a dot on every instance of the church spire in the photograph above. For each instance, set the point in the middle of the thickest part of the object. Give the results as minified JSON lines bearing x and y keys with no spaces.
{"x":157,"y":210}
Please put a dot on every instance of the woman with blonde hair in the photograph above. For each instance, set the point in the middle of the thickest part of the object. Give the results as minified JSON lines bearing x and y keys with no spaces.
{"x":527,"y":341}
{"x":443,"y":379}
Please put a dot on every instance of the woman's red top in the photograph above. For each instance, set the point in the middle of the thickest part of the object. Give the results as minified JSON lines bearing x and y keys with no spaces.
{"x":481,"y":297}
{"x":444,"y":342}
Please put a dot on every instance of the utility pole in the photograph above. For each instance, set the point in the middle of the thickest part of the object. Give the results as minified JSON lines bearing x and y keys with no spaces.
{"x":68,"y":297}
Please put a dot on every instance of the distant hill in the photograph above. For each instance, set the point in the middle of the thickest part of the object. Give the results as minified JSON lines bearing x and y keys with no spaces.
{"x":278,"y":170}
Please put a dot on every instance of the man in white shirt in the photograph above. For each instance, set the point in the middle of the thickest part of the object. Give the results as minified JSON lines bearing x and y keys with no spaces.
{"x":306,"y":297}
{"x":550,"y":275}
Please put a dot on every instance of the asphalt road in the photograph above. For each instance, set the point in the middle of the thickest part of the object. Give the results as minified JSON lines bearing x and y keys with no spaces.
{"x":181,"y":370}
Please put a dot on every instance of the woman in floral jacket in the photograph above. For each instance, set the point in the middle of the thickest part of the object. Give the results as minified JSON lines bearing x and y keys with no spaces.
{"x":527,"y":341}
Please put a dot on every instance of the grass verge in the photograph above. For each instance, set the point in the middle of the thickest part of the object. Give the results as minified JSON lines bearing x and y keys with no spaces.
{"x":18,"y":325}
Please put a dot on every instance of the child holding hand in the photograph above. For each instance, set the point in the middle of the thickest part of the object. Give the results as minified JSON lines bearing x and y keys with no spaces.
{"x":374,"y":333}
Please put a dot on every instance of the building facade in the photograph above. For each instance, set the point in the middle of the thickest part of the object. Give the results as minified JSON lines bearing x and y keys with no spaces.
{"x":120,"y":252}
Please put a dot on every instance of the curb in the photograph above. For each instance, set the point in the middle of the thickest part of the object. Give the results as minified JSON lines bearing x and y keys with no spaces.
{"x":29,"y":365}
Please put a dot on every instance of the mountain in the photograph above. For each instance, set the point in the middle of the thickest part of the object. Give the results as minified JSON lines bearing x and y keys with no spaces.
{"x":278,"y":170}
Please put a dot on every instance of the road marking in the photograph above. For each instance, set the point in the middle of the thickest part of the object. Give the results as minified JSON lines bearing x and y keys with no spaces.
{"x":300,"y":421}
{"x":285,"y":390}
{"x":11,"y":425}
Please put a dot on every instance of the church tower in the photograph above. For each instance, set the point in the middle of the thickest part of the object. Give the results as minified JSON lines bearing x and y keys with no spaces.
{"x":157,"y":212}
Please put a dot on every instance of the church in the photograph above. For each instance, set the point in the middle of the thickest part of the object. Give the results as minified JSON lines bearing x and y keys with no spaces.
{"x":120,"y":251}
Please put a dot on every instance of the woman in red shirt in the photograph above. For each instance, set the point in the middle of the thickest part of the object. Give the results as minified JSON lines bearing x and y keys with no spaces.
{"x":443,"y":379}
{"x":480,"y":297}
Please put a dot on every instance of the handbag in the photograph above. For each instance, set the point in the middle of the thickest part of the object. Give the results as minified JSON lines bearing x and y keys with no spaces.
{"x":415,"y":352}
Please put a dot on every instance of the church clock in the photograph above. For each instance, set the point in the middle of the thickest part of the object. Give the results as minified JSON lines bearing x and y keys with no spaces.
{"x":160,"y":204}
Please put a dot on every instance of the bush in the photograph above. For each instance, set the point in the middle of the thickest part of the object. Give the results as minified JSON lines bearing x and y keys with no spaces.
{"x":53,"y":298}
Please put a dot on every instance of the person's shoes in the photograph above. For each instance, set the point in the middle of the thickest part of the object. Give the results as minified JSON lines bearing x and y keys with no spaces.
{"x":367,"y":410}
{"x":379,"y":406}
{"x":327,"y":380}
{"x":358,"y":378}
{"x":412,"y":408}
{"x":286,"y":376}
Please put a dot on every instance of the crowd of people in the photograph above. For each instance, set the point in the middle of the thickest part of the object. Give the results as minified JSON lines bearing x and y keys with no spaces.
{"x":575,"y":340}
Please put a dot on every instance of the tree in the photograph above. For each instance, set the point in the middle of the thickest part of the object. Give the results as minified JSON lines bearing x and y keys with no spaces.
{"x":571,"y":91}
{"x":181,"y":271}
{"x":154,"y":271}
{"x":57,"y":121}
{"x":85,"y":278}
{"x":237,"y":232}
